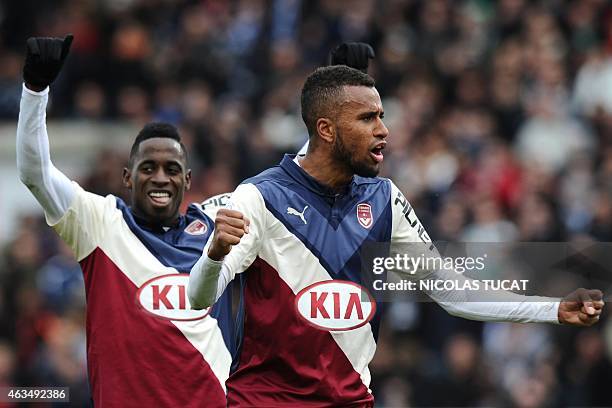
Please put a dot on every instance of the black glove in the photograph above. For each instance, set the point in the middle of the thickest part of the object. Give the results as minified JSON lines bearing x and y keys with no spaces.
{"x":353,"y":54}
{"x":44,"y":59}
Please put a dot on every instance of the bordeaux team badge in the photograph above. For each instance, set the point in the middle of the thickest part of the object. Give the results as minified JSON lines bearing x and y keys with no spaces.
{"x":196,"y":228}
{"x":364,"y":215}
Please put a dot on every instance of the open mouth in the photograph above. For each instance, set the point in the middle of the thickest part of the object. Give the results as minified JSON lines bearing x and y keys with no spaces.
{"x":160,"y":197}
{"x":376,"y":152}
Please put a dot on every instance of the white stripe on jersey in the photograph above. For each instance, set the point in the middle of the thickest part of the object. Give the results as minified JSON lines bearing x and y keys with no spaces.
{"x":206,"y":337}
{"x":113,"y":236}
{"x":358,"y":345}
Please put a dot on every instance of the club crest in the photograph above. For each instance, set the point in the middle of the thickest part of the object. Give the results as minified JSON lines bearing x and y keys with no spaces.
{"x":364,"y":215}
{"x":197,"y":227}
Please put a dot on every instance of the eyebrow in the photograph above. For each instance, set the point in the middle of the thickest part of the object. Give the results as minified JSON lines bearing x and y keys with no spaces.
{"x":371,"y":113}
{"x":167,"y":163}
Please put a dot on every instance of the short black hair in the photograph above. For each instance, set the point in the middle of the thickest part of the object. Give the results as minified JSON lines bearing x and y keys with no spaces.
{"x":323,"y":87}
{"x":156,"y":129}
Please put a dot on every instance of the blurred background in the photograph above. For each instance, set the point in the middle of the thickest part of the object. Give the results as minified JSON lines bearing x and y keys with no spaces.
{"x":500,"y":119}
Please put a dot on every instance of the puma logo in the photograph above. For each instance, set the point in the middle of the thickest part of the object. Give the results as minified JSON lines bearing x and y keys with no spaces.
{"x":293,"y":211}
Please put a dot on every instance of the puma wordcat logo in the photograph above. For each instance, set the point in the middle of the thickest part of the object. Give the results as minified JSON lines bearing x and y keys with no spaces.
{"x":293,"y":211}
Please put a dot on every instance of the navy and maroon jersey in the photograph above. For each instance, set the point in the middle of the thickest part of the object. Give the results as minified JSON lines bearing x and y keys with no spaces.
{"x":307,"y":331}
{"x":145,"y":346}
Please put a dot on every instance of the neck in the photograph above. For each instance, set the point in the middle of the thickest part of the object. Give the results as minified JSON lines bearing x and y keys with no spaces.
{"x":150,"y":222}
{"x":327,"y":170}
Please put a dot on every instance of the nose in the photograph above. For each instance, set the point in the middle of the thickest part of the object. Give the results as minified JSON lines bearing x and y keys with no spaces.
{"x":160,"y":177}
{"x":381,"y":130}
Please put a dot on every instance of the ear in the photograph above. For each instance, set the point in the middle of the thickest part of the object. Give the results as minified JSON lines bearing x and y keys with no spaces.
{"x":127,"y":178}
{"x":188,"y":180}
{"x":326,"y":130}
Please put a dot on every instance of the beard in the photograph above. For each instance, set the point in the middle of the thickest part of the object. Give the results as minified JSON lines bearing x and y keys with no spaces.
{"x":343,"y":155}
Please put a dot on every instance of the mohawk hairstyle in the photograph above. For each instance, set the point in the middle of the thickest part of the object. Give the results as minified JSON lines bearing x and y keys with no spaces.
{"x":155,"y":129}
{"x":322,"y":89}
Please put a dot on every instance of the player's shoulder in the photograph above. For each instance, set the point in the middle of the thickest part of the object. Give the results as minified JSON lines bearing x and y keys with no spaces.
{"x":378,"y":185}
{"x":85,"y":199}
{"x":371,"y":180}
{"x":217,"y":201}
{"x":271,"y":175}
{"x":209,"y":206}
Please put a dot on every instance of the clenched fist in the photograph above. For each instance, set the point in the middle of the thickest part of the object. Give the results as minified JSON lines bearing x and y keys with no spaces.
{"x":352,"y":54}
{"x":582,"y":307}
{"x":44,"y":59}
{"x":230,"y":227}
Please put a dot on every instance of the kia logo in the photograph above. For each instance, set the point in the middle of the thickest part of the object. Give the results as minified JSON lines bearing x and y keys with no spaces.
{"x":335,"y":305}
{"x":166,"y":297}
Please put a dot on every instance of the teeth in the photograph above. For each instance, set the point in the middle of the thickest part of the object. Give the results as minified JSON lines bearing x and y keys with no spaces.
{"x":159,"y":194}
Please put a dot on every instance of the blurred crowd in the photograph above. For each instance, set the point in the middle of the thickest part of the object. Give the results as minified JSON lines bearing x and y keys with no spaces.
{"x":500,"y":119}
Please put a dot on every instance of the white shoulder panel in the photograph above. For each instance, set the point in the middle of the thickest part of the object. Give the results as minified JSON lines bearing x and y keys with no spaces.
{"x":84,"y":224}
{"x":211,"y":205}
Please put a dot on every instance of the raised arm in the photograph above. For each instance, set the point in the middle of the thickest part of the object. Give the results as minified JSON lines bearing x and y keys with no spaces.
{"x":53,"y":190}
{"x":580,"y":308}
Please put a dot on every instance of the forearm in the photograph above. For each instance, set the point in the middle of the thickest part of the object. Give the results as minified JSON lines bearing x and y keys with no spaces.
{"x":481,"y":304}
{"x":208,"y":278}
{"x":53,"y":190}
{"x":207,"y":281}
{"x":487,"y":305}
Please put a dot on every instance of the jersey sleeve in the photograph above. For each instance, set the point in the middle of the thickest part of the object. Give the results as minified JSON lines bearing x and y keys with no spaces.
{"x":211,"y":205}
{"x":406,"y":225}
{"x":82,"y":227}
{"x":492,"y":305}
{"x":208,"y":279}
{"x":248,"y":200}
{"x":409,"y":237}
{"x":51,"y":188}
